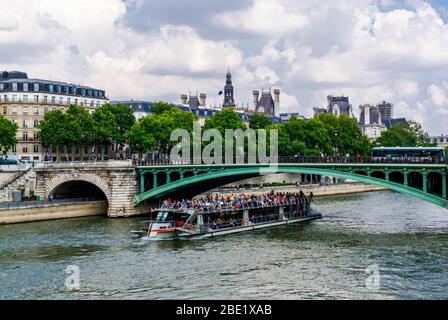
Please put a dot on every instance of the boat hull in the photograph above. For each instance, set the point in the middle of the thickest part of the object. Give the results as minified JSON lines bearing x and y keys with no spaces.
{"x":264,"y":225}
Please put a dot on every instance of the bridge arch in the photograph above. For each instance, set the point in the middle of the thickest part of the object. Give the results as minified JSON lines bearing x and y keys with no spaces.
{"x":258,"y":170}
{"x":52,"y":185}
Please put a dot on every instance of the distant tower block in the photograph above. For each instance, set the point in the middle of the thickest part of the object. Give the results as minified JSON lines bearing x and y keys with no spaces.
{"x":256,"y":95}
{"x":183,"y":99}
{"x":202,"y":99}
{"x":276,"y":102}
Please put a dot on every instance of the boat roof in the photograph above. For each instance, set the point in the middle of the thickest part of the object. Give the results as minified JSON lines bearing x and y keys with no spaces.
{"x":408,"y":148}
{"x":175,"y":210}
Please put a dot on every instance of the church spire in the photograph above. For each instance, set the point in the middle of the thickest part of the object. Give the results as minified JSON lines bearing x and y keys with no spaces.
{"x":228,"y":91}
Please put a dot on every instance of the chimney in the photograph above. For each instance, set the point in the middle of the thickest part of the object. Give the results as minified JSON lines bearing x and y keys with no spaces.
{"x":183,"y":99}
{"x":202,"y":97}
{"x":329,"y":99}
{"x":255,"y":101}
{"x":367,"y":113}
{"x":276,"y":102}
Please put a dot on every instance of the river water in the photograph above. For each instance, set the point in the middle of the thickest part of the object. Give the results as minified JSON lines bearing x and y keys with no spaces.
{"x":379,"y":245}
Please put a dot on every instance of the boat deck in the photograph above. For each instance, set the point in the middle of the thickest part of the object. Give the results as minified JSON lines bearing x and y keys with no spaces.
{"x":187,"y":234}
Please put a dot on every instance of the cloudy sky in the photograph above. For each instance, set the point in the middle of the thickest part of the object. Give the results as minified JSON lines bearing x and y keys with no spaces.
{"x":370,"y":50}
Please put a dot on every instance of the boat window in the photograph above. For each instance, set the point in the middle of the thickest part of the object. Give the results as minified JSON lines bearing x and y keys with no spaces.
{"x":163,"y":216}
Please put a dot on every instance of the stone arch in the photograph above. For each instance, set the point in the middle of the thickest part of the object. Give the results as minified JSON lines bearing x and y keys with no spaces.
{"x":97,"y":181}
{"x":326,"y":179}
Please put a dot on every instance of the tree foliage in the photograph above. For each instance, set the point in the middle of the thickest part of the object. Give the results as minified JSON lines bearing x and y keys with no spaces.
{"x":160,"y":107}
{"x":224,"y":119}
{"x":259,"y":121}
{"x":154,"y":131}
{"x":112,"y":122}
{"x":77,"y":127}
{"x":322,"y":135}
{"x":8,"y":132}
{"x":404,"y":134}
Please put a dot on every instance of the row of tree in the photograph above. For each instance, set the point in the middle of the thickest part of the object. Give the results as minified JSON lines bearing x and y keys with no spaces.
{"x":76,"y":127}
{"x":8,"y":132}
{"x":325,"y":134}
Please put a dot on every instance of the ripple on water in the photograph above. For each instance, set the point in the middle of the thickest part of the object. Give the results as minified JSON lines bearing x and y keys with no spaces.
{"x":325,"y":259}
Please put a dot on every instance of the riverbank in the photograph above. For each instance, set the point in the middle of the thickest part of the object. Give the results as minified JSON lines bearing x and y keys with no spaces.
{"x":51,"y":211}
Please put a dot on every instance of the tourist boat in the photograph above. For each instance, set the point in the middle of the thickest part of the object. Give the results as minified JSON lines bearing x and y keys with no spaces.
{"x":171,"y":223}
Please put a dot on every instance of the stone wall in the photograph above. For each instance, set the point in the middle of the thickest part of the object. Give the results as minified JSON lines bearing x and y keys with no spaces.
{"x":52,"y":211}
{"x":117,"y":179}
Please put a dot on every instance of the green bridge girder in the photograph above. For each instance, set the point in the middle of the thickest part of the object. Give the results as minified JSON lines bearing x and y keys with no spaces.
{"x":200,"y":174}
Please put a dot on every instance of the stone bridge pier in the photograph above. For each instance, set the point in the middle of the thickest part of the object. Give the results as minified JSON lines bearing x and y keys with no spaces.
{"x":116,"y":181}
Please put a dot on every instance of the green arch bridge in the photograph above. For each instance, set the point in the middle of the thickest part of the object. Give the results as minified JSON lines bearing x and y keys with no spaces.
{"x":426,"y":181}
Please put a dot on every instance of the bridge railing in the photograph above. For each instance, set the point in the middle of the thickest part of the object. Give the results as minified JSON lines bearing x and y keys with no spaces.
{"x":282,"y":159}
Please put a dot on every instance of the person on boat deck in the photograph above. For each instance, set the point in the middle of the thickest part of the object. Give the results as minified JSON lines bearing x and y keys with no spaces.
{"x":180,"y":223}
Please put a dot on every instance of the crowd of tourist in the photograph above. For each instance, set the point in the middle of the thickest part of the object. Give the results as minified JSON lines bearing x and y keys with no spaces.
{"x":229,"y":202}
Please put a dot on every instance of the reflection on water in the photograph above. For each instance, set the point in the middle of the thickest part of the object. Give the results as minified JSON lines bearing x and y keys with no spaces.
{"x":324,"y":259}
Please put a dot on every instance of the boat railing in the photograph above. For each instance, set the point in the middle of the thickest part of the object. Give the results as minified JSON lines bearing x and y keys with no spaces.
{"x":266,"y":218}
{"x":218,"y":225}
{"x":247,"y":205}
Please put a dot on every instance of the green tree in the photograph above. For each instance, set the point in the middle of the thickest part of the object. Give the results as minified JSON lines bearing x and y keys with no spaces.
{"x":160,"y":107}
{"x":141,"y":140}
{"x":224,"y":119}
{"x":123,"y":118}
{"x":345,"y":134}
{"x":404,"y":134}
{"x":82,"y":127}
{"x":8,"y":132}
{"x":259,"y":121}
{"x":111,"y":124}
{"x":75,"y":127}
{"x":159,"y":127}
{"x":54,"y":129}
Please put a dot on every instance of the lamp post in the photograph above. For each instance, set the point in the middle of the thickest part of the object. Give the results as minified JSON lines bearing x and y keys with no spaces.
{"x":335,"y":144}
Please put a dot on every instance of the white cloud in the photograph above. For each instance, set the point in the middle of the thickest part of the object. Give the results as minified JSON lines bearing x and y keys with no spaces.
{"x":267,"y":17}
{"x":308,"y":49}
{"x":438,"y":95}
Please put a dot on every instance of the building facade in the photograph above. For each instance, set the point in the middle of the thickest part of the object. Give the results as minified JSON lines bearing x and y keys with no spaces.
{"x":387,"y":111}
{"x":337,"y":106}
{"x":441,"y":141}
{"x":268,"y":104}
{"x":25,"y":101}
{"x":370,"y":121}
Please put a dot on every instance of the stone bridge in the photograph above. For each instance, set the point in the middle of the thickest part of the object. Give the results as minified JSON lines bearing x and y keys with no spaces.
{"x":115,"y":181}
{"x":130,"y":189}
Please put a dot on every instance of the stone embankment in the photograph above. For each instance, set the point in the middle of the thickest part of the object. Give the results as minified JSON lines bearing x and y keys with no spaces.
{"x":50,"y":211}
